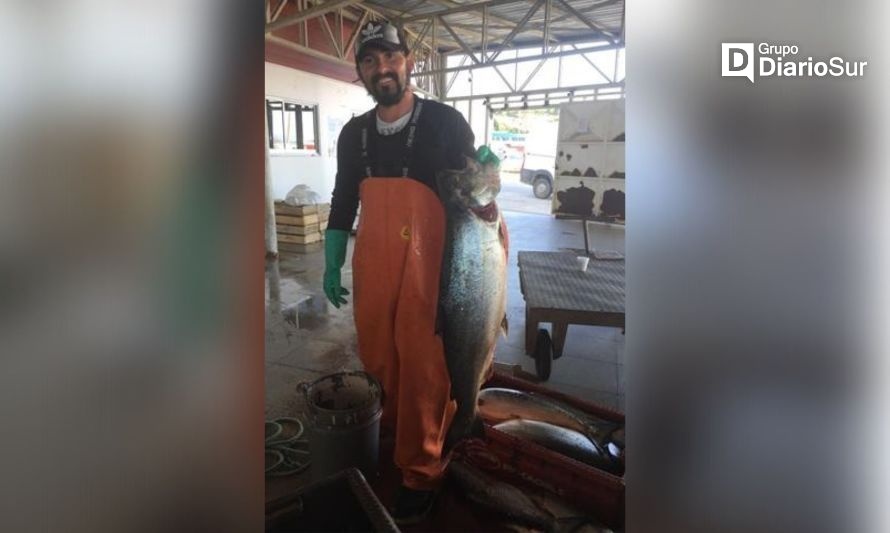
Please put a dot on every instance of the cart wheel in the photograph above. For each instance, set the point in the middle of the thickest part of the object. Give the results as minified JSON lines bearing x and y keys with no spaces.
{"x":543,"y":354}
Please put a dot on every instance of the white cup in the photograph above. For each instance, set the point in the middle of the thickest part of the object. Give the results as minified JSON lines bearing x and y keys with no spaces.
{"x":582,"y":262}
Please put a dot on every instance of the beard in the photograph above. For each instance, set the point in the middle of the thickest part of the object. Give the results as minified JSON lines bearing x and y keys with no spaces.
{"x":388,"y":95}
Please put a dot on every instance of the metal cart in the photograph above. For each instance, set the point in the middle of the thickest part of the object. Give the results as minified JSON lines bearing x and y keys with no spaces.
{"x":557,"y":291}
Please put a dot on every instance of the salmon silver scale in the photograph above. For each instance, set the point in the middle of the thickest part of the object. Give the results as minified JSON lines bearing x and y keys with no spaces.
{"x":498,"y":405}
{"x":564,"y":441}
{"x":472,"y":293}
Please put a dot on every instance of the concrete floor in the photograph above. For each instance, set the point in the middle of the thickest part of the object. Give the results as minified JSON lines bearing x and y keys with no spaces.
{"x":307,"y":338}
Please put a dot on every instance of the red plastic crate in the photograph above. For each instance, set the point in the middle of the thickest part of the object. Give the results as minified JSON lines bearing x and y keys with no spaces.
{"x":592,"y":490}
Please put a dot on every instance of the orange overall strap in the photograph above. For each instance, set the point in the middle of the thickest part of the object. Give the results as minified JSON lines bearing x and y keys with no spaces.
{"x":396,"y":265}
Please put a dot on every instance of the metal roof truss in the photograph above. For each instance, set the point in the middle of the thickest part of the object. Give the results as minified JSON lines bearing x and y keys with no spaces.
{"x":479,"y":32}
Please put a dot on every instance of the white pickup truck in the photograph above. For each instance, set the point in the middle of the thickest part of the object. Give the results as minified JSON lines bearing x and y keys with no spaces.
{"x":537,"y":170}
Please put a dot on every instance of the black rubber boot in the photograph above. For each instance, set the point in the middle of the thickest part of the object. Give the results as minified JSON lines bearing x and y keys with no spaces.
{"x":412,"y":506}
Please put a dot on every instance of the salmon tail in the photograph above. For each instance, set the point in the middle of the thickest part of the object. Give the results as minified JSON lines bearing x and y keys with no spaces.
{"x":477,"y":428}
{"x":456,"y":434}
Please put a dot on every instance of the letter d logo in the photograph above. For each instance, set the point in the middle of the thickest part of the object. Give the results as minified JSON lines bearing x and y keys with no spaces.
{"x":738,"y":60}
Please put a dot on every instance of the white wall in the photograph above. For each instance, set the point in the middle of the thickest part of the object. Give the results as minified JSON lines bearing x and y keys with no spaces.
{"x":337,"y":102}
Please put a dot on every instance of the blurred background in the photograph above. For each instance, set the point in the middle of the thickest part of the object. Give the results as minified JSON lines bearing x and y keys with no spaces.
{"x":131,"y":368}
{"x":131,"y":243}
{"x":751,"y":276}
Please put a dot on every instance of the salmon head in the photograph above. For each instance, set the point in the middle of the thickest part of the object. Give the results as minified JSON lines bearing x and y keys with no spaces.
{"x":474,"y":187}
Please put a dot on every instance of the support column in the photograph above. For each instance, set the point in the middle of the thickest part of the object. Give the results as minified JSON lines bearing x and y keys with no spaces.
{"x":271,"y":231}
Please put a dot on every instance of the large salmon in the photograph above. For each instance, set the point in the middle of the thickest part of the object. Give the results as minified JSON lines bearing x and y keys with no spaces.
{"x":473,"y":288}
{"x":498,"y":405}
{"x":564,"y":441}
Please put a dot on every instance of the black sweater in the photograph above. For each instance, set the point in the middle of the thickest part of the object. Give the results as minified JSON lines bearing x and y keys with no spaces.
{"x":441,"y":141}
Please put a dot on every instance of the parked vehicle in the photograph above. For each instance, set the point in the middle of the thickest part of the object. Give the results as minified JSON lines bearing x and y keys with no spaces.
{"x":511,"y":158}
{"x":537,"y":170}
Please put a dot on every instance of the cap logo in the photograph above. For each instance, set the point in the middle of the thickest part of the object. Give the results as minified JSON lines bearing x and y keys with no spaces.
{"x":372,"y":31}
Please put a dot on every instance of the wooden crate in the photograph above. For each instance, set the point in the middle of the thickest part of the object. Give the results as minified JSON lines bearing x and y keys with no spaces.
{"x":282,"y":208}
{"x":303,"y":220}
{"x":298,"y":230}
{"x":299,"y":227}
{"x":300,"y":239}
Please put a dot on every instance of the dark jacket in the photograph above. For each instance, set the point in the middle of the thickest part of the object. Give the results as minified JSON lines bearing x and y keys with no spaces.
{"x":442,"y":139}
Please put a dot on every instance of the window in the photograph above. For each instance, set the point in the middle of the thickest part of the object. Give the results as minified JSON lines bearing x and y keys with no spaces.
{"x":292,"y":126}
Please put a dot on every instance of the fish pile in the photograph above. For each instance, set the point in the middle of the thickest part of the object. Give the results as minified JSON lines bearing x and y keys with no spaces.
{"x":473,"y":287}
{"x":516,"y":505}
{"x":500,"y":497}
{"x":555,"y":426}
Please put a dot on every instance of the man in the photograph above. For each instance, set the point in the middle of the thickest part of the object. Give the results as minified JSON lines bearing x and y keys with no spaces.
{"x":389,"y":158}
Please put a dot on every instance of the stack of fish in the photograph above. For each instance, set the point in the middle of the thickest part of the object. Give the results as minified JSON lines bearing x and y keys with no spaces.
{"x":504,"y":499}
{"x":555,"y":426}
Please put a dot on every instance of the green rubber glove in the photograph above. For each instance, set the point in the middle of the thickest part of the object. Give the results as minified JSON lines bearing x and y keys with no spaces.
{"x":334,"y":256}
{"x":485,"y":156}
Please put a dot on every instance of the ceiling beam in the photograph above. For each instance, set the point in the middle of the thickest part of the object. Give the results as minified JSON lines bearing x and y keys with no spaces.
{"x":421,"y":37}
{"x":278,"y":10}
{"x":461,"y":8}
{"x":592,"y":64}
{"x":548,"y":5}
{"x":563,"y":90}
{"x":591,"y":49}
{"x":519,"y":26}
{"x":309,"y":51}
{"x":460,"y":41}
{"x":355,"y":31}
{"x":510,"y":24}
{"x":485,"y":28}
{"x":410,"y":8}
{"x":396,"y":18}
{"x":583,"y":18}
{"x":453,"y":6}
{"x":455,"y":75}
{"x":330,"y":32}
{"x":314,"y":11}
{"x":501,"y":74}
{"x":589,"y":9}
{"x":536,"y":69}
{"x":568,"y":12}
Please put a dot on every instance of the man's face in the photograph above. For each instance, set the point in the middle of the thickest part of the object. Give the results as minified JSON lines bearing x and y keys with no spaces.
{"x":386,"y":74}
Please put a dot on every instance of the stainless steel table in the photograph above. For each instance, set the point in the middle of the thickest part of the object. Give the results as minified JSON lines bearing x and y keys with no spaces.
{"x":557,"y":291}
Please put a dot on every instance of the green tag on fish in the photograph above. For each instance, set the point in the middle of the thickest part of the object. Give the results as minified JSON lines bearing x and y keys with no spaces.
{"x":485,"y":156}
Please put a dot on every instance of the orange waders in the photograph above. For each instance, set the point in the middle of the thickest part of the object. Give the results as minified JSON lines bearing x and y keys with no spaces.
{"x":396,"y":264}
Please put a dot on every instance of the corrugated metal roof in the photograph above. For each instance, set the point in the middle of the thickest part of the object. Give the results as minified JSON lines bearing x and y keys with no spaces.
{"x":503,"y":18}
